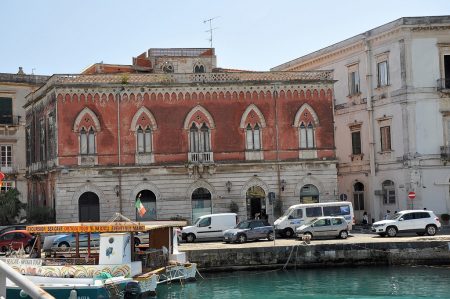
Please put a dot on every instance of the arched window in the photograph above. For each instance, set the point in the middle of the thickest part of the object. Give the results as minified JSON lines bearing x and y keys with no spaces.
{"x":87,"y":141}
{"x":144,"y":140}
{"x":388,"y":192}
{"x":307,"y":139}
{"x":199,"y":69}
{"x":358,"y":196}
{"x":253,"y":137}
{"x":204,"y":139}
{"x":148,"y":200}
{"x":201,"y":203}
{"x":193,"y":138}
{"x":199,"y":139}
{"x":309,"y":194}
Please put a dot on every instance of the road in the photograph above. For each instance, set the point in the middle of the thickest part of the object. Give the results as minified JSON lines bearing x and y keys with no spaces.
{"x":355,"y":237}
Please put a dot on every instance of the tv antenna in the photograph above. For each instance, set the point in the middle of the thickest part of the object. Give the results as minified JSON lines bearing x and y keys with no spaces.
{"x":211,"y":29}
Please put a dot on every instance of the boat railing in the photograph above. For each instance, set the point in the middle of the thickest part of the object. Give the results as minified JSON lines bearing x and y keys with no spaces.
{"x":21,"y":281}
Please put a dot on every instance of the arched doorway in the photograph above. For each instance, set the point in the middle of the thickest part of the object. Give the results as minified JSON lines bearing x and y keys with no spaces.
{"x":309,"y":194}
{"x":256,"y":203}
{"x":358,"y":201}
{"x":148,"y":199}
{"x":88,"y":207}
{"x":201,"y":203}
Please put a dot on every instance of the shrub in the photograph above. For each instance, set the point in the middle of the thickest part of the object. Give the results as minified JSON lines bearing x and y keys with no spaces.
{"x":10,"y":206}
{"x":41,"y":215}
{"x":445,"y":217}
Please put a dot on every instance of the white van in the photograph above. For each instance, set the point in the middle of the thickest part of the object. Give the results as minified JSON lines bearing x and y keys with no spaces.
{"x":298,"y":215}
{"x":209,"y":226}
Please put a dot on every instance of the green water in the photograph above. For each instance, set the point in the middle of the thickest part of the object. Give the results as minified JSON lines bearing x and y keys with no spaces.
{"x":328,"y":283}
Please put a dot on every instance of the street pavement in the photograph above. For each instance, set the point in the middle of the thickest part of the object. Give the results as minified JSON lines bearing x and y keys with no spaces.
{"x":356,"y":236}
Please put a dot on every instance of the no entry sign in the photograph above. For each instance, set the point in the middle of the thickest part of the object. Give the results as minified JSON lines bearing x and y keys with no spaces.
{"x":412,"y":195}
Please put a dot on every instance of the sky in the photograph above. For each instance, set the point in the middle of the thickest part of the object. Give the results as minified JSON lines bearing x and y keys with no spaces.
{"x":65,"y":36}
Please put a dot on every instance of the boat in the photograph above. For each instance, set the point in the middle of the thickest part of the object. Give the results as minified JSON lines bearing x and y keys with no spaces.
{"x":146,"y":265}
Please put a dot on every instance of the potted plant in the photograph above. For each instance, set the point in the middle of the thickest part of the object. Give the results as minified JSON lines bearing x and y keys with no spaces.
{"x":234,"y":208}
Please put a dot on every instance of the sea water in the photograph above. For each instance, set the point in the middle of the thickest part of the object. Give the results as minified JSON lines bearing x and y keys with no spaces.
{"x":328,"y":283}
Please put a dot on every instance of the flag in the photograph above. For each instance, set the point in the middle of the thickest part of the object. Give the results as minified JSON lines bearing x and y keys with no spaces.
{"x":140,"y":207}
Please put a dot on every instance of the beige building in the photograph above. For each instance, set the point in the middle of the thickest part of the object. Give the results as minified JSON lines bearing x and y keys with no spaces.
{"x":13,"y":89}
{"x":392,"y":114}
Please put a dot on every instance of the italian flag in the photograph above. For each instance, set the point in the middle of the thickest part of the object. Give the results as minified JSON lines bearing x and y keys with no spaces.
{"x":140,"y":207}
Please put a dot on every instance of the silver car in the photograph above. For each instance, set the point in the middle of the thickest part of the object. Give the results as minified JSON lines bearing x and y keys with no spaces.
{"x":324,"y":227}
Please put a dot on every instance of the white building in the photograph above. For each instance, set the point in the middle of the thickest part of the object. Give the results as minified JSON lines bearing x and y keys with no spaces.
{"x":392,"y":114}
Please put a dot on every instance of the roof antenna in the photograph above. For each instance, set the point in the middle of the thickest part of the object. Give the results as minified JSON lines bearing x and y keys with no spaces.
{"x":210,"y":30}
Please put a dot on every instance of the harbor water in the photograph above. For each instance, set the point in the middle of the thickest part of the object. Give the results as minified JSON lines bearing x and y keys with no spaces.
{"x":328,"y":283}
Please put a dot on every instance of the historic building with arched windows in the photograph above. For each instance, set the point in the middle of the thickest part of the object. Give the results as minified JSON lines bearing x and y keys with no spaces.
{"x":183,"y":137}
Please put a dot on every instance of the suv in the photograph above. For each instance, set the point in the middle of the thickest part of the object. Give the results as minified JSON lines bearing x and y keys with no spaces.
{"x":327,"y":226}
{"x":419,"y":221}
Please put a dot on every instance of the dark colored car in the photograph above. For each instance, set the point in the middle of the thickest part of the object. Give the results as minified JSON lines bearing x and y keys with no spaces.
{"x":16,"y":239}
{"x":249,"y":230}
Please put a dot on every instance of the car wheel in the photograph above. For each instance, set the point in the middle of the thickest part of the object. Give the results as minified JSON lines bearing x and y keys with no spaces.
{"x":391,"y":231}
{"x":288,"y":232}
{"x":343,"y":234}
{"x":420,"y":233}
{"x":431,"y":230}
{"x":242,"y":238}
{"x":190,"y":238}
{"x":137,"y":242}
{"x":270,"y":236}
{"x":27,"y":249}
{"x":63,"y":245}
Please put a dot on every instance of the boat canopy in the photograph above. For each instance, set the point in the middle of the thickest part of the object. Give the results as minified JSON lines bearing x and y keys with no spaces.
{"x":103,"y":227}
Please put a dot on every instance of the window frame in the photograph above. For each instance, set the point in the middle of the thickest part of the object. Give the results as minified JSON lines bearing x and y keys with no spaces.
{"x":87,"y":137}
{"x":382,"y":77}
{"x":353,"y":80}
{"x":355,"y":147}
{"x":307,"y":136}
{"x":8,"y":158}
{"x":385,"y":138}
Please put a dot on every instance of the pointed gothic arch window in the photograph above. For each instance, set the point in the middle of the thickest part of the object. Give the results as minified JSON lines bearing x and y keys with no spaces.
{"x":144,"y":140}
{"x":307,"y":138}
{"x":253,"y":137}
{"x":199,"y":68}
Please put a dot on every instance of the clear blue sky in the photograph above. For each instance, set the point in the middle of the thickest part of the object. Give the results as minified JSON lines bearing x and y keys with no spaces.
{"x":66,"y":36}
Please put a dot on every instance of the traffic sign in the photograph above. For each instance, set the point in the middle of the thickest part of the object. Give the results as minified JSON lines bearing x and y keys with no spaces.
{"x":412,"y":195}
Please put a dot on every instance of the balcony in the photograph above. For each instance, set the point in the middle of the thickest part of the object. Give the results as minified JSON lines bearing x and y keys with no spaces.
{"x":9,"y":169}
{"x":10,"y":120}
{"x":200,"y":158}
{"x":443,"y":85}
{"x":445,"y":153}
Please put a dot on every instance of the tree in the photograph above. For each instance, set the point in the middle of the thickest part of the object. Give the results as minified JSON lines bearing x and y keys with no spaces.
{"x":10,"y":206}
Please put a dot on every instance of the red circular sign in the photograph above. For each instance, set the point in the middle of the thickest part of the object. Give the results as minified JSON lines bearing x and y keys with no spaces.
{"x":412,"y":195}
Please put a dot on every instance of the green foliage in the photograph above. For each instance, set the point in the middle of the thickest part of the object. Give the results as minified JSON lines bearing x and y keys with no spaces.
{"x":124,"y":79}
{"x":41,"y":215}
{"x":234,"y":208}
{"x":445,"y":217}
{"x":10,"y":207}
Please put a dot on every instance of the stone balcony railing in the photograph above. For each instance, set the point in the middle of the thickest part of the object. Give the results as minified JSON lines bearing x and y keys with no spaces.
{"x":205,"y":157}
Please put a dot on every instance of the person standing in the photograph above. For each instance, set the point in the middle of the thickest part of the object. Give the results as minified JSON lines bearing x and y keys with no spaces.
{"x":365,"y":220}
{"x":388,"y":215}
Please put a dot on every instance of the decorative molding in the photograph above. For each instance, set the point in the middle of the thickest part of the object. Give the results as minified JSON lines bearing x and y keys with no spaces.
{"x":247,"y":112}
{"x":198,"y":108}
{"x":149,"y":114}
{"x":254,"y":181}
{"x":144,"y":186}
{"x":300,"y":112}
{"x":80,"y":116}
{"x":308,"y":180}
{"x":200,"y":183}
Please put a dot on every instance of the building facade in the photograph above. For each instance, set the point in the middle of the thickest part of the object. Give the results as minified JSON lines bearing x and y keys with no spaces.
{"x":182,"y":136}
{"x":13,"y":90}
{"x":392,"y":114}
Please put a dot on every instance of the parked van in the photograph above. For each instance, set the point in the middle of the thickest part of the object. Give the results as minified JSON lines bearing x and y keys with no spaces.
{"x":298,"y":215}
{"x":209,"y":226}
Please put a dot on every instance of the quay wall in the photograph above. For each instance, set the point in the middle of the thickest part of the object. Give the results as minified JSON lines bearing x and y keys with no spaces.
{"x":308,"y":255}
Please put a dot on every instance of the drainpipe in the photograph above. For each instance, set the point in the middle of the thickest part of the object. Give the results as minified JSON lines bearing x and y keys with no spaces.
{"x":119,"y":152}
{"x":277,"y":144}
{"x":372,"y":157}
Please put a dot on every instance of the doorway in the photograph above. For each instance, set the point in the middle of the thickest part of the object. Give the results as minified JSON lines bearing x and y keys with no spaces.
{"x":256,"y":203}
{"x":88,"y":207}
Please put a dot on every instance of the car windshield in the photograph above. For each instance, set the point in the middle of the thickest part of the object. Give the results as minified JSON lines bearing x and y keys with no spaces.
{"x":197,"y":220}
{"x":311,"y":221}
{"x":288,"y":211}
{"x":395,"y":216}
{"x":243,"y":224}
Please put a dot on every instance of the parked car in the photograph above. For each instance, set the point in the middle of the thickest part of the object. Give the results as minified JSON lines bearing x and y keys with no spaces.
{"x":419,"y":221}
{"x":249,"y":230}
{"x":69,"y":240}
{"x":15,"y":239}
{"x":209,"y":226}
{"x":4,"y":229}
{"x":324,"y":227}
